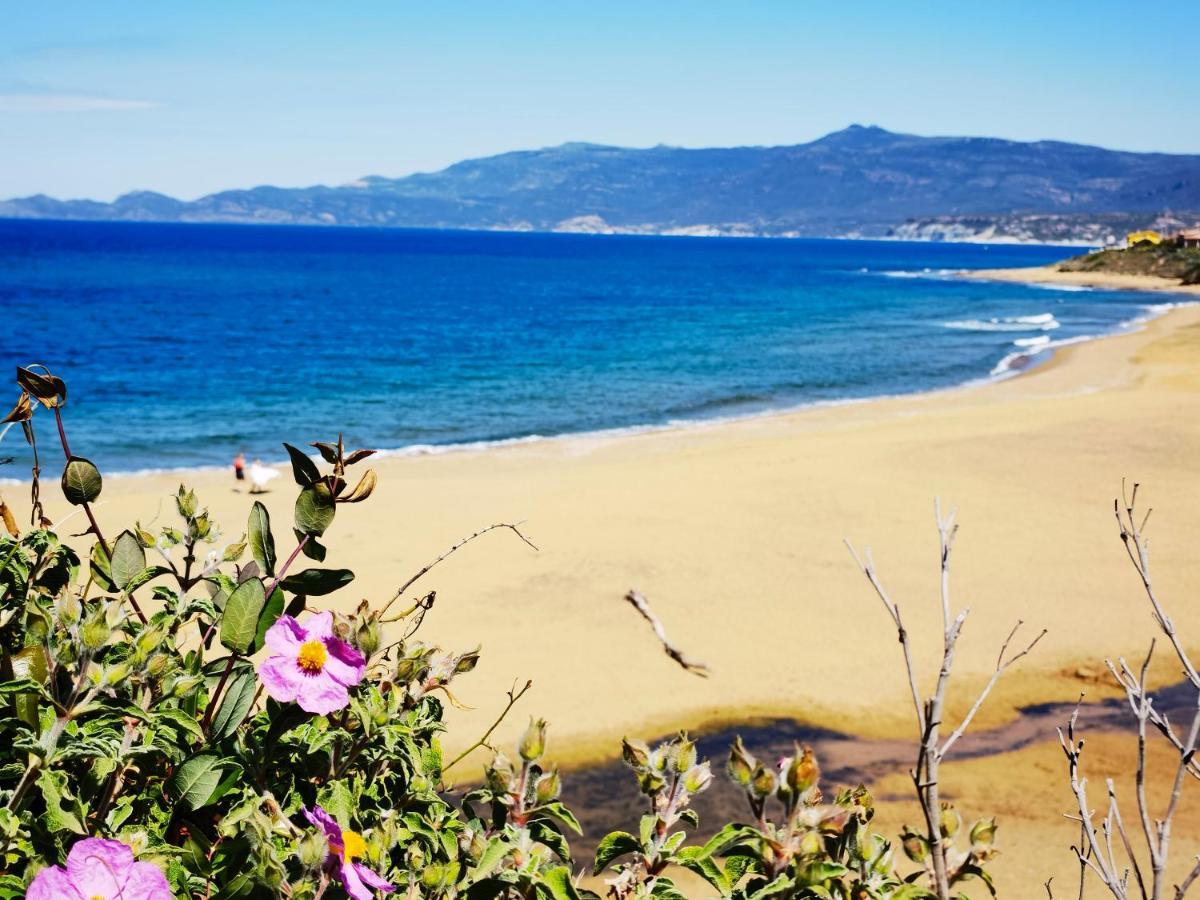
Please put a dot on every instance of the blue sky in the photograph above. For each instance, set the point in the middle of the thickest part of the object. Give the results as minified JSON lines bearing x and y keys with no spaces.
{"x":187,"y":98}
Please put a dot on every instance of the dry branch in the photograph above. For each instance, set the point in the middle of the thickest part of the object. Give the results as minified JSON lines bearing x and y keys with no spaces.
{"x":638,"y":601}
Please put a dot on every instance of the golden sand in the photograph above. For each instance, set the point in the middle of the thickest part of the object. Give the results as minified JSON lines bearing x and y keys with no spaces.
{"x":1110,"y":280}
{"x":734,"y":532}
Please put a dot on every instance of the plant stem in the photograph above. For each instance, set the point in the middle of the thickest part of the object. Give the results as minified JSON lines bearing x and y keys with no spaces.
{"x":216,"y":695}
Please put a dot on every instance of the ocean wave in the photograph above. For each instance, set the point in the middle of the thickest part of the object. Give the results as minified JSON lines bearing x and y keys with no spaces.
{"x":1039,"y":322}
{"x":1040,"y":341}
{"x":917,"y":273}
{"x":1051,"y":286}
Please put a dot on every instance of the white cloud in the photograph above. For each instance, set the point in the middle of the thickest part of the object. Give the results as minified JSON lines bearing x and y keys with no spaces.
{"x":68,"y":103}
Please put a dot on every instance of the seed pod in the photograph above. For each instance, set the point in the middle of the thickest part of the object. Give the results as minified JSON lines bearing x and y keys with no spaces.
{"x":741,"y":764}
{"x":533,"y":743}
{"x":983,"y":832}
{"x":950,"y":821}
{"x":803,"y":771}
{"x":763,"y":782}
{"x":916,"y":847}
{"x":548,"y":787}
{"x":94,"y":633}
{"x":635,"y":753}
{"x":312,"y":850}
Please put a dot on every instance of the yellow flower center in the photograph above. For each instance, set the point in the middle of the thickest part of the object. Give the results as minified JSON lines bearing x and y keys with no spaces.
{"x":312,"y":656}
{"x":353,"y":846}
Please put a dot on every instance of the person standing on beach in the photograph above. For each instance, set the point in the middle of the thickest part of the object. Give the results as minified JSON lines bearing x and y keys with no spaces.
{"x":239,"y":467}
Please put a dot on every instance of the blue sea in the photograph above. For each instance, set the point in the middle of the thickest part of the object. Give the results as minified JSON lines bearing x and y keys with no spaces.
{"x":184,"y":344}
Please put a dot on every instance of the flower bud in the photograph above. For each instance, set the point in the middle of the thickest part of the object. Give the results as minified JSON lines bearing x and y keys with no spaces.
{"x":950,"y":821}
{"x":763,"y":782}
{"x":186,"y":685}
{"x":312,"y":850}
{"x":533,"y":743}
{"x":368,"y":637}
{"x":741,"y":764}
{"x":185,"y":502}
{"x":650,"y":782}
{"x":115,"y":674}
{"x":697,"y":778}
{"x":803,"y":771}
{"x":158,"y":665}
{"x":548,"y":787}
{"x":94,"y":633}
{"x":635,"y":753}
{"x":983,"y":832}
{"x":150,"y":639}
{"x":683,"y":755}
{"x":466,"y":662}
{"x":916,"y":847}
{"x":811,"y":844}
{"x":68,"y":608}
{"x":201,"y":527}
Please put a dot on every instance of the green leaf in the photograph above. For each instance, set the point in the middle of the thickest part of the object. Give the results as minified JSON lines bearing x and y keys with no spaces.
{"x":128,"y":559}
{"x":81,"y":481}
{"x":692,"y":859}
{"x":29,"y":663}
{"x":196,"y":780}
{"x":239,"y":621}
{"x":317,"y":582}
{"x":183,"y":722}
{"x":312,"y":548}
{"x":547,"y":832}
{"x":304,"y":470}
{"x":314,"y":510}
{"x":262,"y":544}
{"x":665,"y":889}
{"x":614,"y":844}
{"x":560,"y":811}
{"x":239,"y":696}
{"x":335,"y":798}
{"x":54,"y":786}
{"x":101,"y":570}
{"x":270,"y":614}
{"x":491,"y":857}
{"x":558,"y":883}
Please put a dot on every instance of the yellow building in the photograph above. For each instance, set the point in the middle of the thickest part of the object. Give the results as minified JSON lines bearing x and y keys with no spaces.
{"x":1143,"y":237}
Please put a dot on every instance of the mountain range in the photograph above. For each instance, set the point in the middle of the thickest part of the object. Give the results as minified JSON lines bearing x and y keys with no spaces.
{"x":861,"y":181}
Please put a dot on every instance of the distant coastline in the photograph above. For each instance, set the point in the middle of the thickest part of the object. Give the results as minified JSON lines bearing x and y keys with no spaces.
{"x":1111,"y":281}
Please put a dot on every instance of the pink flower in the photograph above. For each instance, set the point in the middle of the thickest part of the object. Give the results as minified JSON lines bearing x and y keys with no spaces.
{"x":309,"y":666}
{"x":344,"y":848}
{"x":100,"y":870}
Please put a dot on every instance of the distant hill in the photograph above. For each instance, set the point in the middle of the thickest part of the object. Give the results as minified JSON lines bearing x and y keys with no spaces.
{"x":862,"y":181}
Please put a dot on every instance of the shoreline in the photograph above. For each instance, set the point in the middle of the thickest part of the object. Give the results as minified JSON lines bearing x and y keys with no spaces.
{"x":1113,"y":281}
{"x":1013,"y":365}
{"x":739,"y":524}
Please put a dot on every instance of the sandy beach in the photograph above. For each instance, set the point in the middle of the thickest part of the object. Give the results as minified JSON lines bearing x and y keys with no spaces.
{"x":735,"y":531}
{"x":1116,"y":281}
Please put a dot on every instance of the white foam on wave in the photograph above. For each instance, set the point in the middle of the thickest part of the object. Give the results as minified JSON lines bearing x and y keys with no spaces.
{"x":1051,"y":286}
{"x":1039,"y":322}
{"x":917,"y":273}
{"x":1039,"y":341}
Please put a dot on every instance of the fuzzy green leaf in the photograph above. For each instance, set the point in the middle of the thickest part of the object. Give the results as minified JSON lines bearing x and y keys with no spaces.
{"x":615,"y":844}
{"x":239,"y":621}
{"x":262,"y":544}
{"x":196,"y":781}
{"x":128,"y":559}
{"x":81,"y":481}
{"x":318,"y":582}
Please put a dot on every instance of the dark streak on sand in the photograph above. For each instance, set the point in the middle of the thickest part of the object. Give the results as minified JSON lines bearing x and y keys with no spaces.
{"x":606,"y":797}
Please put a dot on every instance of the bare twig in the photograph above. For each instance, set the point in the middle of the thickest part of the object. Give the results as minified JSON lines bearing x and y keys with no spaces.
{"x":931,"y":749}
{"x":513,"y":696}
{"x":638,"y":601}
{"x":425,"y":569}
